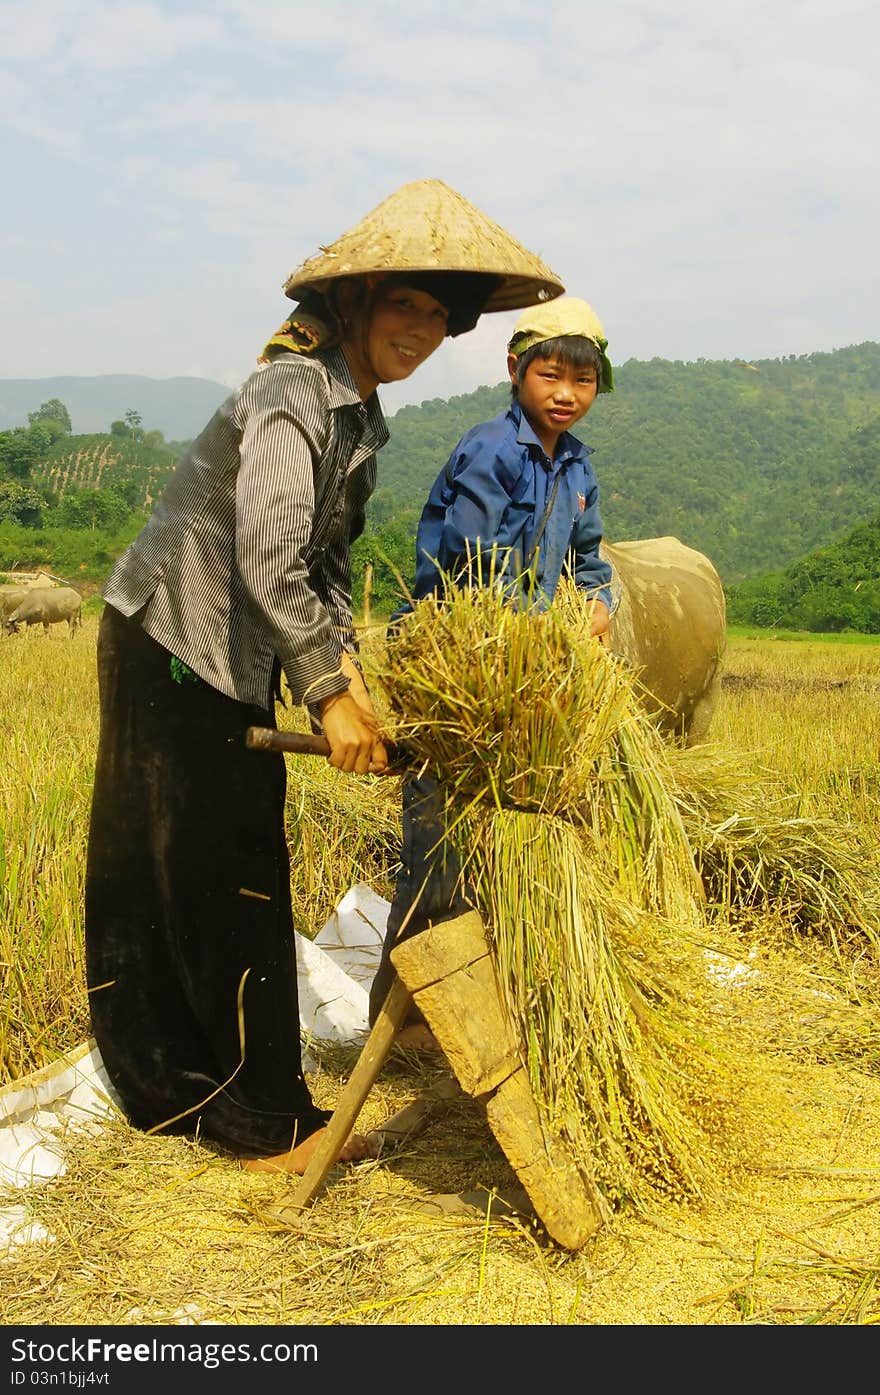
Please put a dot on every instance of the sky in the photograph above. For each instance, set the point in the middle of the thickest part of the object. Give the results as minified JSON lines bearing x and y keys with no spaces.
{"x":705,"y":175}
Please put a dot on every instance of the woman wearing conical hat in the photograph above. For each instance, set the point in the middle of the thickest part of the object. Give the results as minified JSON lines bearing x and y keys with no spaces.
{"x":241,"y":575}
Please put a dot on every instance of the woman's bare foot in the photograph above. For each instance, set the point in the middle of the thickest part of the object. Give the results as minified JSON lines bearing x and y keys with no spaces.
{"x":297,"y":1159}
{"x":417,"y":1036}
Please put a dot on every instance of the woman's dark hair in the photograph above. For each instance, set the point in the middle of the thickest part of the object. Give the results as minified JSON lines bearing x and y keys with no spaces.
{"x":464,"y":293}
{"x":573,"y":350}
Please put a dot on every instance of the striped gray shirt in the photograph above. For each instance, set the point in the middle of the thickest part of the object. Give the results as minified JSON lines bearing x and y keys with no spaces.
{"x":246,"y":556}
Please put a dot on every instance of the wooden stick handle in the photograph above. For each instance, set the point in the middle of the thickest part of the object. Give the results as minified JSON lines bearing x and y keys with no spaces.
{"x":300,"y":743}
{"x":306,"y":743}
{"x":358,"y":1086}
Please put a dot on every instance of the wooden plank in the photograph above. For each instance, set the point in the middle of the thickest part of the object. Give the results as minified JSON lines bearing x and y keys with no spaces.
{"x":442,"y":950}
{"x":450,"y":972}
{"x":569,"y":1210}
{"x":466,"y":1016}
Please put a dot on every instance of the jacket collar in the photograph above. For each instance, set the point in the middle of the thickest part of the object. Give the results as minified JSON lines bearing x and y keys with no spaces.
{"x":570,"y":448}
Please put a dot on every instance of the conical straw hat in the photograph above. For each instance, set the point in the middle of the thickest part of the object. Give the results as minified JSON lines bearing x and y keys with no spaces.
{"x":426,"y":226}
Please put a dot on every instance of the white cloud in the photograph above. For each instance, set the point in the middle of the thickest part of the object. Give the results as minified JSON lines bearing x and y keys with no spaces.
{"x":706,"y":177}
{"x":122,"y":35}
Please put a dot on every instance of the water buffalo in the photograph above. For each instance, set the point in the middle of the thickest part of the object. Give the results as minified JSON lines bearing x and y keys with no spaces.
{"x":46,"y":605}
{"x":670,"y":625}
{"x":10,"y":596}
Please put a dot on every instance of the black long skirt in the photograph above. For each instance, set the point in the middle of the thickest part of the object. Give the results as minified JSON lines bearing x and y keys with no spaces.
{"x":190,"y":956}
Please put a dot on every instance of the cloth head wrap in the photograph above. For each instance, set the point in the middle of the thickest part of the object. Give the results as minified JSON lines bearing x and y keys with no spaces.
{"x":311,"y":325}
{"x":559,"y":319}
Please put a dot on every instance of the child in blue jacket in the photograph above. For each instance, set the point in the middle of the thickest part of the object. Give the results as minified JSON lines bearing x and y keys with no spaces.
{"x":521,"y":485}
{"x":518,"y":501}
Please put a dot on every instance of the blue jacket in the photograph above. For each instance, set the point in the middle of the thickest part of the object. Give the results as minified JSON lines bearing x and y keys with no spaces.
{"x":494,"y":491}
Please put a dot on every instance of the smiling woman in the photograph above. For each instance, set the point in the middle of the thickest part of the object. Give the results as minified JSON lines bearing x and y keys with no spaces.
{"x":390,"y":327}
{"x":241,"y":575}
{"x":405,"y":327}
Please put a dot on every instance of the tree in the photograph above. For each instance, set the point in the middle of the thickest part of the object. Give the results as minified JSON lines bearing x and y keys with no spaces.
{"x":97,"y":509}
{"x":53,"y":410}
{"x":20,"y":504}
{"x":20,"y":450}
{"x":44,"y":434}
{"x":135,"y":423}
{"x":132,"y":428}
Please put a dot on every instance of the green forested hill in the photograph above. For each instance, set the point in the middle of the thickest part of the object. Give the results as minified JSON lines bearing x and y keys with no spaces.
{"x":831,"y":589}
{"x":755,"y":465}
{"x":71,"y":502}
{"x":77,"y":467}
{"x":758,"y":465}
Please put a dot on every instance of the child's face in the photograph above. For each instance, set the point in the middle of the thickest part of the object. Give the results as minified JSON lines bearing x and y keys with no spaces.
{"x":554,"y":395}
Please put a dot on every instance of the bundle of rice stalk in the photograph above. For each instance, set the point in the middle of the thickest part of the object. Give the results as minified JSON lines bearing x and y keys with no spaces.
{"x":617,"y":1016}
{"x":756,"y":851}
{"x":526,"y":708}
{"x":631,"y":793}
{"x":491,"y":698}
{"x":580,"y":864}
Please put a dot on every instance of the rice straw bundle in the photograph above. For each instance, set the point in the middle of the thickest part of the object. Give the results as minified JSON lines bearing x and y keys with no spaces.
{"x":464,"y":674}
{"x":756,"y":851}
{"x":580,"y":864}
{"x":611,"y":1002}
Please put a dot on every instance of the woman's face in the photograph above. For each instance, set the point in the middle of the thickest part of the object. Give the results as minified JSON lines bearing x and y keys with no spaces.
{"x":405,"y":326}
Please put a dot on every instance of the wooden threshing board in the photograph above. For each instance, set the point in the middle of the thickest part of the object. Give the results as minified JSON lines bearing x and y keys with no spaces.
{"x":450,"y":972}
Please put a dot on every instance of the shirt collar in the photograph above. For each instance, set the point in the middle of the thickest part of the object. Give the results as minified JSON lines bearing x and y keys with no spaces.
{"x":570,"y":448}
{"x":343,"y":393}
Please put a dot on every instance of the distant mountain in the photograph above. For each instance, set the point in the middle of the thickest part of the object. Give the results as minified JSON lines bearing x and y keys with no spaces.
{"x":178,"y":407}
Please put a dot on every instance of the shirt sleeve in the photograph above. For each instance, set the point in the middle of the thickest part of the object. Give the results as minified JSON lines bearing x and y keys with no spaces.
{"x":335,"y":591}
{"x":591,"y":574}
{"x":286,"y":415}
{"x":334,"y":578}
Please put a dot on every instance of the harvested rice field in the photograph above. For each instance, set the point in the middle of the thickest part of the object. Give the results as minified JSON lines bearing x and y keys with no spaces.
{"x":786,"y":1230}
{"x":150,"y":1231}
